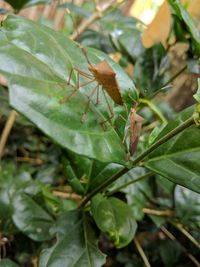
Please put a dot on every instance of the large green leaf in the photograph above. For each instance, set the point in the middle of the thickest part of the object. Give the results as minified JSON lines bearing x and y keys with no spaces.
{"x":187,"y":205}
{"x":37,"y":61}
{"x":12,"y":180}
{"x":31,"y":218}
{"x":76,"y":244}
{"x":178,"y":158}
{"x":184,"y":16}
{"x":101,"y":172}
{"x":115,"y":218}
{"x":151,"y":70}
{"x":137,"y":194}
{"x":7,"y":263}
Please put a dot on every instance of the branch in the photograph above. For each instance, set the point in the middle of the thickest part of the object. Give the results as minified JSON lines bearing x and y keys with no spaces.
{"x":6,"y":131}
{"x":141,"y":252}
{"x":129,"y":183}
{"x":189,"y":122}
{"x":173,"y":238}
{"x":188,"y":235}
{"x":86,"y":23}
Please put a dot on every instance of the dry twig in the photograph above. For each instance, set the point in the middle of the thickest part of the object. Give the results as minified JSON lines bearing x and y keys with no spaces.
{"x":6,"y":131}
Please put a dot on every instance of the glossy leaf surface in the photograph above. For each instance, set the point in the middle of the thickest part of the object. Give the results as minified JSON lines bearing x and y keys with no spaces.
{"x":150,"y":72}
{"x":76,"y":244}
{"x":182,"y":14}
{"x":137,"y":193}
{"x":37,"y":62}
{"x":115,"y":218}
{"x":7,"y":263}
{"x":187,"y":205}
{"x":178,"y":159}
{"x":31,"y":218}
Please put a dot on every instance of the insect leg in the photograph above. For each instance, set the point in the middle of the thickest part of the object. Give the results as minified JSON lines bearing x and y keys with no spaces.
{"x":109,"y":107}
{"x":88,"y":104}
{"x":97,"y":99}
{"x":81,"y":85}
{"x":70,"y":75}
{"x":82,"y":73}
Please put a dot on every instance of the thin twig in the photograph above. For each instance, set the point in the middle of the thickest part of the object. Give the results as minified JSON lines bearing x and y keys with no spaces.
{"x":129,"y":183}
{"x":86,"y":23}
{"x":175,"y":76}
{"x":158,"y":212}
{"x":6,"y":131}
{"x":187,"y":234}
{"x":67,"y":195}
{"x":141,"y":252}
{"x":172,"y":237}
{"x":155,"y":110}
{"x":36,"y":161}
{"x":170,"y":80}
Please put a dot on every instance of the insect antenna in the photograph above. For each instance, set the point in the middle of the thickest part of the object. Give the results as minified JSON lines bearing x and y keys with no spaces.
{"x":86,"y":56}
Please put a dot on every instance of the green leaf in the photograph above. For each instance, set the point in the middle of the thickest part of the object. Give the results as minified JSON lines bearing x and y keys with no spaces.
{"x":130,"y":43}
{"x":183,"y":15}
{"x":12,"y":180}
{"x":7,"y":263}
{"x":76,"y":244}
{"x":178,"y":158}
{"x":19,"y":4}
{"x":115,"y":218}
{"x":150,"y":71}
{"x":37,"y":65}
{"x":197,"y":95}
{"x":102,"y":172}
{"x":31,"y":218}
{"x":137,"y":194}
{"x":187,"y":205}
{"x":170,"y":252}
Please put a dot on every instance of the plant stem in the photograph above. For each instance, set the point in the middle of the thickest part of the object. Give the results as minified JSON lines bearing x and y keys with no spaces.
{"x":171,"y":80}
{"x":173,"y":238}
{"x":129,"y":183}
{"x":6,"y":131}
{"x":141,"y":252}
{"x":185,"y":233}
{"x":86,"y":23}
{"x":154,"y":109}
{"x":189,"y":122}
{"x":175,"y":75}
{"x":124,"y":170}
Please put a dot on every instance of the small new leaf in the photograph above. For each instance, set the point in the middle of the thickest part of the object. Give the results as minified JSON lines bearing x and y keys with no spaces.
{"x":115,"y":218}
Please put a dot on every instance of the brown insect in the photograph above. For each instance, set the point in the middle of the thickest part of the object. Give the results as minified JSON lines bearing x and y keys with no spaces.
{"x":104,"y":75}
{"x":135,"y":129}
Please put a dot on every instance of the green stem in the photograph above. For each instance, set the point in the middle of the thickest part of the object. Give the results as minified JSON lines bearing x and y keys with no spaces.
{"x":175,"y":76}
{"x":154,"y":109}
{"x":170,"y":80}
{"x":124,"y":170}
{"x":129,"y":183}
{"x":164,"y":139}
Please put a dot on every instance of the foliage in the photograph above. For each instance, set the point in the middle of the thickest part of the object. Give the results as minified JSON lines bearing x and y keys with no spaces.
{"x":73,"y":193}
